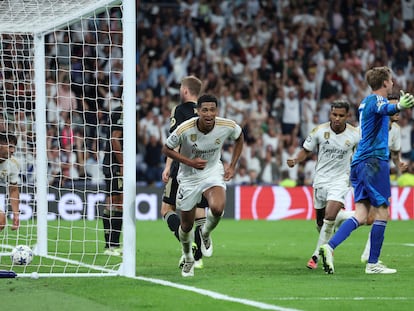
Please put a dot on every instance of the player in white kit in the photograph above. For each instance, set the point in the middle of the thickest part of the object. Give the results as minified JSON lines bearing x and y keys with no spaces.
{"x":201,"y":171}
{"x":9,"y":176}
{"x":335,"y":142}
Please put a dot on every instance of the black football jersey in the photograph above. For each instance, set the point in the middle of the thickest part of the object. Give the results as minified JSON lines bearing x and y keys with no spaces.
{"x":181,"y":113}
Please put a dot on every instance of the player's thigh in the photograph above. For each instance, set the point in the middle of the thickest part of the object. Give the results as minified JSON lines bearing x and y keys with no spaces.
{"x":188,"y":196}
{"x":170,"y":191}
{"x":319,"y":198}
{"x":216,"y":197}
{"x":169,"y":196}
{"x":336,"y":195}
{"x":114,"y":181}
{"x":378,"y":183}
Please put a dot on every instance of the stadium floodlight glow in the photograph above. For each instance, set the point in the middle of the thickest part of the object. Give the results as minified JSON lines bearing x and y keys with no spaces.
{"x":55,"y":53}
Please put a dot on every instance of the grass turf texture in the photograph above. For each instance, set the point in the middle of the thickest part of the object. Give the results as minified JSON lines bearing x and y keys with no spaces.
{"x":255,"y":260}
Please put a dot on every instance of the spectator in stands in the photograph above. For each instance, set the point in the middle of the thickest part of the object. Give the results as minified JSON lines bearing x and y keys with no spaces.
{"x":286,"y":180}
{"x":66,"y":102}
{"x":291,"y":115}
{"x":270,"y":168}
{"x":237,"y":36}
{"x":54,"y":170}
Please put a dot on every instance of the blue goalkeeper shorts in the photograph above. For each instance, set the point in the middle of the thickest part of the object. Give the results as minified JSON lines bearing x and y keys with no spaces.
{"x":370,"y":179}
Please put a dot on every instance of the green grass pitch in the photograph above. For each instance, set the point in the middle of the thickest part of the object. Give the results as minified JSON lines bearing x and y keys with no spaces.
{"x":256,"y":265}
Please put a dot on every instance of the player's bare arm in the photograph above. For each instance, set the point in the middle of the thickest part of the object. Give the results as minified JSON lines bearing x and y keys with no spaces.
{"x":197,"y":163}
{"x":14,"y":202}
{"x":396,"y":158}
{"x":302,"y":155}
{"x":167,"y":168}
{"x":230,"y":170}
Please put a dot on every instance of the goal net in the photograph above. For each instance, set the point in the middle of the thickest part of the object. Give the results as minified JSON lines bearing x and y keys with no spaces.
{"x":63,"y":71}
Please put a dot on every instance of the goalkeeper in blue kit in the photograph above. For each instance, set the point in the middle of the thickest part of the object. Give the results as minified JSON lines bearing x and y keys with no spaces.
{"x":370,"y":172}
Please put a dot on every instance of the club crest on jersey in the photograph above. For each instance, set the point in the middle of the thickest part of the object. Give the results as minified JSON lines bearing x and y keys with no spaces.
{"x":193,"y":137}
{"x":218,"y":141}
{"x":326,"y":135}
{"x":174,"y":138}
{"x":347,"y":143}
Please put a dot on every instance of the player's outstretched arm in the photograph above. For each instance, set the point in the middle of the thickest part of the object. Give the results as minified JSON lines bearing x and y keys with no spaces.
{"x":406,"y":101}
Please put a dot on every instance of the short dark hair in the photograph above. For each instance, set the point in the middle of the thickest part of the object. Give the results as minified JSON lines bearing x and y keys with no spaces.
{"x":340,"y":103}
{"x":207,"y":98}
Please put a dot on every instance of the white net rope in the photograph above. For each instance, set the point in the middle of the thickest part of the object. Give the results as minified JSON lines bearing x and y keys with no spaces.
{"x":84,"y":63}
{"x":35,"y":16}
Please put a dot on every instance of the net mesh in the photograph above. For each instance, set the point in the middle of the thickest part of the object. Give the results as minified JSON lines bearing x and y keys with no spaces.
{"x":83,"y":61}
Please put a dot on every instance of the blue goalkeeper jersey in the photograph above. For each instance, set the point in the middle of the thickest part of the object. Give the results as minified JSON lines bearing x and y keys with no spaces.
{"x":374,"y":112}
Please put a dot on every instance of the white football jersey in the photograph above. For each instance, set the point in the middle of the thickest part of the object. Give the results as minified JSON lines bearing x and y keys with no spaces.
{"x":394,"y":137}
{"x":334,"y":152}
{"x":9,"y":171}
{"x":195,"y":144}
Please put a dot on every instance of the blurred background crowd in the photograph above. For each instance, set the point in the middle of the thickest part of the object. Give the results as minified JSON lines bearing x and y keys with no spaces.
{"x":275,"y":65}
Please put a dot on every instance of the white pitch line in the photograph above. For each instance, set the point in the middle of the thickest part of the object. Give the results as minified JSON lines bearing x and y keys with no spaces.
{"x":341,"y":298}
{"x":408,"y":244}
{"x":215,"y":295}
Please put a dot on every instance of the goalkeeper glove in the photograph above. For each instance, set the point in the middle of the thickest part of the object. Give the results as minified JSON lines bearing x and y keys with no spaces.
{"x":406,"y":101}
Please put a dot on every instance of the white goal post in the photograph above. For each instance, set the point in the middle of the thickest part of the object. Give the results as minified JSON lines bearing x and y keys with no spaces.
{"x":65,"y":65}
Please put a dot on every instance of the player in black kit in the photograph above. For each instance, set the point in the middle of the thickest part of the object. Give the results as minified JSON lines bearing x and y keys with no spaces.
{"x":113,"y":170}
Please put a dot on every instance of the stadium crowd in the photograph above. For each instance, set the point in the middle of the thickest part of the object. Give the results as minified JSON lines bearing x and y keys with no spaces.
{"x":275,"y":65}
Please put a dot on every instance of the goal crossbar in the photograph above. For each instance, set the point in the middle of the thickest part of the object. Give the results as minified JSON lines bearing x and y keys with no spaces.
{"x":25,"y":17}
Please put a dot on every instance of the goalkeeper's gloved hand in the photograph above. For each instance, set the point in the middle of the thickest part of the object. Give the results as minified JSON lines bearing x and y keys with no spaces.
{"x":406,"y":101}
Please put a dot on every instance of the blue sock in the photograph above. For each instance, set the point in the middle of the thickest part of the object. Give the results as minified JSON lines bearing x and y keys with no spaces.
{"x":343,"y":232}
{"x":377,"y":237}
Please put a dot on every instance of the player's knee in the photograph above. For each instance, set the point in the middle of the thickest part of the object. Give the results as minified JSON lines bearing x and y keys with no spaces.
{"x":186,"y":227}
{"x":370,"y":220}
{"x":319,"y":223}
{"x":165,"y":208}
{"x":320,"y":215}
{"x":217,"y":210}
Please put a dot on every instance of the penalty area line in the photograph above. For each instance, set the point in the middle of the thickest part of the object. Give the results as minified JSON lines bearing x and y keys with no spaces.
{"x":215,"y":295}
